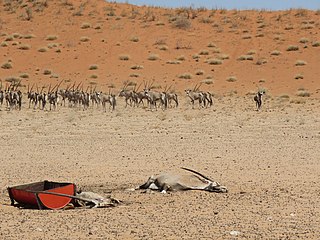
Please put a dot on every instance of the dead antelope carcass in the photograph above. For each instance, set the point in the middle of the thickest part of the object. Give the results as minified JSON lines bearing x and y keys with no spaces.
{"x":171,"y":182}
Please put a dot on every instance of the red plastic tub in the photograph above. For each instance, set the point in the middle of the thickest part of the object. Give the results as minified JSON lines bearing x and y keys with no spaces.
{"x":41,"y":195}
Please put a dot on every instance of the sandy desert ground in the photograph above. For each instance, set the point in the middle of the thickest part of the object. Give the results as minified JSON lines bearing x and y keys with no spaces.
{"x":269,"y":160}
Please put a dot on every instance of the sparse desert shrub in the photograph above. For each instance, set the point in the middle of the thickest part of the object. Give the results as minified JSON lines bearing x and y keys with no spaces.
{"x":8,"y":38}
{"x":214,"y":61}
{"x":124,"y":57}
{"x":52,"y":45}
{"x":93,"y":67}
{"x":58,"y":50}
{"x":24,"y":47}
{"x":173,"y":62}
{"x":6,"y":65}
{"x":204,"y":52}
{"x":47,"y":72}
{"x":28,"y":36}
{"x":211,"y":45}
{"x":134,"y":39}
{"x":260,"y":35}
{"x":16,"y":35}
{"x":84,"y":39}
{"x":247,"y":36}
{"x":94,"y":76}
{"x":316,"y":44}
{"x":42,"y":49}
{"x":195,"y":56}
{"x":216,"y":50}
{"x":85,"y":25}
{"x":12,"y":79}
{"x":261,"y":61}
{"x":181,"y":58}
{"x":182,"y":23}
{"x":185,"y":76}
{"x":231,"y":79}
{"x":163,"y":47}
{"x":245,"y":57}
{"x":307,"y":26}
{"x":300,"y":63}
{"x":15,"y":43}
{"x":251,"y":52}
{"x":207,"y":81}
{"x":262,"y":25}
{"x":54,"y":75}
{"x":134,"y":75}
{"x":304,"y":40}
{"x":275,"y":53}
{"x":153,"y":57}
{"x":24,"y":75}
{"x":303,"y":93}
{"x":262,"y":81}
{"x":288,"y":27}
{"x":137,"y":67}
{"x":159,"y":23}
{"x":205,"y":20}
{"x":292,"y":48}
{"x":199,"y":72}
{"x":160,"y":41}
{"x":4,"y":44}
{"x":223,"y":56}
{"x":298,"y":76}
{"x":51,"y":37}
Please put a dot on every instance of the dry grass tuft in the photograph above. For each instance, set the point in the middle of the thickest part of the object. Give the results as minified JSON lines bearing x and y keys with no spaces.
{"x":153,"y":57}
{"x":124,"y":57}
{"x":93,"y":67}
{"x":275,"y":53}
{"x":84,"y":39}
{"x":300,"y":63}
{"x":231,"y":79}
{"x":43,"y":49}
{"x":185,"y":76}
{"x":85,"y":25}
{"x":24,"y":47}
{"x":292,"y":48}
{"x":181,"y":23}
{"x":245,"y":57}
{"x":137,"y":67}
{"x":51,"y":37}
{"x":134,"y":39}
{"x":6,"y":65}
{"x":298,"y":76}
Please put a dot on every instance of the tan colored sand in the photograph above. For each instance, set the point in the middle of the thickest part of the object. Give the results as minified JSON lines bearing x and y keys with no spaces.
{"x":268,"y":160}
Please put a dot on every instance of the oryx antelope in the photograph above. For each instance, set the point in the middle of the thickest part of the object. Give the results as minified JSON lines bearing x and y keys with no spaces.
{"x":128,"y":95}
{"x":154,"y":97}
{"x":202,"y":97}
{"x":195,"y":96}
{"x":170,"y":182}
{"x":169,"y":97}
{"x":1,"y":93}
{"x":110,"y":98}
{"x":258,"y":99}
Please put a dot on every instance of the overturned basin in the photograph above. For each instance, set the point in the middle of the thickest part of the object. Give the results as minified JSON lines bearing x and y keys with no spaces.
{"x":42,"y":195}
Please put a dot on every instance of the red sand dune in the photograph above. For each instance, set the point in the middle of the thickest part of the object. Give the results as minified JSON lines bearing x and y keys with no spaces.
{"x":115,"y":30}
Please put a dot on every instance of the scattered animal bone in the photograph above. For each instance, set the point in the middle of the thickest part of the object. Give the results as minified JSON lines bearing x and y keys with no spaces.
{"x":171,"y":182}
{"x":94,"y":200}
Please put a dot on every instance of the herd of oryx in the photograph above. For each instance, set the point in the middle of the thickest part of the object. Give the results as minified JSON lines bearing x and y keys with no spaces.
{"x":75,"y":96}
